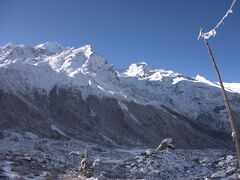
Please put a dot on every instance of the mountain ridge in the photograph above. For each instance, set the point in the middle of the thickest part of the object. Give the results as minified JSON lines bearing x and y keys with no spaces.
{"x":39,"y":77}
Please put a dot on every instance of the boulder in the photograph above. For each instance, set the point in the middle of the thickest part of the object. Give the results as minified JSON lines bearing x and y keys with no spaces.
{"x":165,"y":144}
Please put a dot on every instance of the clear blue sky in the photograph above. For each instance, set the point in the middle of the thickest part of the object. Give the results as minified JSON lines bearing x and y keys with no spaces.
{"x":161,"y":32}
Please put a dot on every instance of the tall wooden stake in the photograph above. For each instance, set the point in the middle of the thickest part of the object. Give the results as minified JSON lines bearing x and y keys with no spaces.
{"x":233,"y":122}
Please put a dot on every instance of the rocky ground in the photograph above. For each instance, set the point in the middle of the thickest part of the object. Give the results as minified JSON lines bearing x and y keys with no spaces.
{"x":28,"y":157}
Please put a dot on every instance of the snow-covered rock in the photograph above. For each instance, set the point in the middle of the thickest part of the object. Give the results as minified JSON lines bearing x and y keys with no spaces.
{"x":138,"y":70}
{"x":30,"y":135}
{"x":52,"y":47}
{"x":235,"y":87}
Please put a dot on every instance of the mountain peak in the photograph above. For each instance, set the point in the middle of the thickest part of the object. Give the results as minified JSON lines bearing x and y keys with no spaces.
{"x":12,"y":46}
{"x":52,"y":47}
{"x":87,"y":50}
{"x":204,"y":80}
{"x":139,"y":69}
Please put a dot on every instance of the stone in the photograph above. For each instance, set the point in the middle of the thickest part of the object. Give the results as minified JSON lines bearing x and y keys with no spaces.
{"x":28,"y":158}
{"x":166,"y":144}
{"x":230,"y":172}
{"x":30,"y":135}
{"x":86,"y":167}
{"x":218,"y":174}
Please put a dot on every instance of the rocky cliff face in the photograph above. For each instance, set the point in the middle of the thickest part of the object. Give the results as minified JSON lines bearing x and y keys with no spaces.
{"x":73,"y":93}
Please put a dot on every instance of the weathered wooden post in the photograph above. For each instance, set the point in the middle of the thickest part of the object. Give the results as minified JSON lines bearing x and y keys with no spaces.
{"x":233,"y":122}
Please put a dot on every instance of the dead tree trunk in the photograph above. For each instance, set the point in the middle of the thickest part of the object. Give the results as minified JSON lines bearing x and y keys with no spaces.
{"x":233,"y":122}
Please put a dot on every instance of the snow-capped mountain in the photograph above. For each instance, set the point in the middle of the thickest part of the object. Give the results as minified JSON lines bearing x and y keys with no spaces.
{"x":74,"y":92}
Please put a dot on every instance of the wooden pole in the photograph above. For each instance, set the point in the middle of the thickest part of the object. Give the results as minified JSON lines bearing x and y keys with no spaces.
{"x":233,"y":122}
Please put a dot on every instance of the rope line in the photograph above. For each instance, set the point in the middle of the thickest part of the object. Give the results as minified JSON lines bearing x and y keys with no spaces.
{"x":213,"y":32}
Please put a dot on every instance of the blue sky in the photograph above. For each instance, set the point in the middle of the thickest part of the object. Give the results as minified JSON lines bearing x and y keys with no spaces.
{"x":161,"y":32}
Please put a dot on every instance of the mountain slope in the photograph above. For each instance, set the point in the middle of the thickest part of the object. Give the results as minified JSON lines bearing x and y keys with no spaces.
{"x":59,"y":92}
